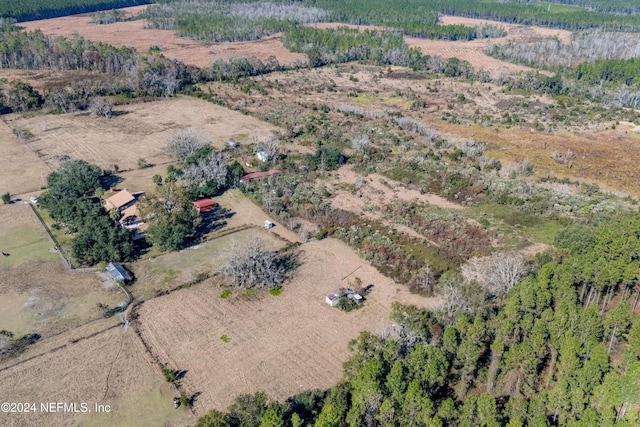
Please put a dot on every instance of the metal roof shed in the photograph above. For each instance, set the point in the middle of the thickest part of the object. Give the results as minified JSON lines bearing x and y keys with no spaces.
{"x":117,"y":272}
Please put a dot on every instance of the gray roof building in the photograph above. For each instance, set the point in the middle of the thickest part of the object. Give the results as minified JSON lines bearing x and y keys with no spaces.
{"x":117,"y":272}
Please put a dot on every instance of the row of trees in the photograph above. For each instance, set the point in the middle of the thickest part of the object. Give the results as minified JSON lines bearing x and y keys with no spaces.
{"x":584,"y":46}
{"x":30,"y":10}
{"x":547,"y":356}
{"x":226,"y":22}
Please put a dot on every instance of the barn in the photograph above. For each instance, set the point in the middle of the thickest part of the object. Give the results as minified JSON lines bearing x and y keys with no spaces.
{"x":205,"y":205}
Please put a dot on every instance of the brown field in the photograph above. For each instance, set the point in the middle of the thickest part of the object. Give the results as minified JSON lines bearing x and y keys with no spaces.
{"x":168,"y":271}
{"x":195,"y":53}
{"x":473,"y":51}
{"x":190,"y":52}
{"x":21,"y":170}
{"x":95,"y":363}
{"x":47,"y":79}
{"x":138,"y":131}
{"x":38,"y":292}
{"x":282,"y":345}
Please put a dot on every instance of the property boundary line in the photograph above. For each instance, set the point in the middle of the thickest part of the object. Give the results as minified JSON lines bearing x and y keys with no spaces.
{"x":63,"y":255}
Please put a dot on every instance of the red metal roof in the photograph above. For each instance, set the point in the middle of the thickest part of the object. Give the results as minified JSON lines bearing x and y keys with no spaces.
{"x":203,"y":203}
{"x":254,"y":175}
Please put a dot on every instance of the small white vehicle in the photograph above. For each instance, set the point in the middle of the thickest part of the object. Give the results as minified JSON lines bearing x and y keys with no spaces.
{"x":33,"y":200}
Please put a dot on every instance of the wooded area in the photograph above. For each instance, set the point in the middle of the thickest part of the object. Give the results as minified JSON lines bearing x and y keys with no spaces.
{"x":30,"y":10}
{"x":563,"y":348}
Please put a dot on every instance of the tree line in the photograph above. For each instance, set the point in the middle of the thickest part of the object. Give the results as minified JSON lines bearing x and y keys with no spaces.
{"x":31,"y":10}
{"x":608,"y":6}
{"x":132,"y":74}
{"x":562,"y":347}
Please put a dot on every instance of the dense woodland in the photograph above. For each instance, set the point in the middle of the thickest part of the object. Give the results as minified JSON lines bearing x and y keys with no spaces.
{"x":30,"y":10}
{"x":561,"y":348}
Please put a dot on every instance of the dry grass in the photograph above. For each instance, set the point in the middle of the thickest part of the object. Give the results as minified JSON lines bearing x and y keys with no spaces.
{"x":167,"y":272}
{"x":95,"y":363}
{"x":140,"y":131}
{"x":282,"y":344}
{"x":20,"y":169}
{"x":38,"y":293}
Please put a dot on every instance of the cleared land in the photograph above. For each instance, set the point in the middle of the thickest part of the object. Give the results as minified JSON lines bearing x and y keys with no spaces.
{"x":95,"y":363}
{"x":134,"y":34}
{"x":195,"y":53}
{"x":108,"y":142}
{"x":20,"y":168}
{"x":167,"y":272}
{"x":283,"y":344}
{"x":38,"y":292}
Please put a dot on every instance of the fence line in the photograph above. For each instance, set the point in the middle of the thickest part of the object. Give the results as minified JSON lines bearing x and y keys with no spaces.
{"x":63,"y":255}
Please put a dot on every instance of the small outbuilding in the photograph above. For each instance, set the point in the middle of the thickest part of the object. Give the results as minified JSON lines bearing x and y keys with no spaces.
{"x":332,"y":299}
{"x":117,"y":272}
{"x":204,"y":205}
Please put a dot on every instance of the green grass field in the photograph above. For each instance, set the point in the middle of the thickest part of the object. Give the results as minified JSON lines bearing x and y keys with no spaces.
{"x":20,"y":237}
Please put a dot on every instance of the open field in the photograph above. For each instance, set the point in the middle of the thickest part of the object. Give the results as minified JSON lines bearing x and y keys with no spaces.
{"x":195,"y":53}
{"x":20,"y":168}
{"x":95,"y":363}
{"x":38,"y":292}
{"x":168,"y":271}
{"x":139,"y":131}
{"x":134,"y":34}
{"x":282,"y":345}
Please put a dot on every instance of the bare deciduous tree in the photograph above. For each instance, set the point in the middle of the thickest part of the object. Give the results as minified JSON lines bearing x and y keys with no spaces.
{"x":360,"y":143}
{"x":212,"y":168}
{"x":184,"y":143}
{"x":267,"y":146}
{"x":252,"y":266}
{"x":497,"y":273}
{"x":101,"y":107}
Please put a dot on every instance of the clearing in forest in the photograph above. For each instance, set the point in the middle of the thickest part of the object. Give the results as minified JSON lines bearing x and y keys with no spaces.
{"x":279,"y":344}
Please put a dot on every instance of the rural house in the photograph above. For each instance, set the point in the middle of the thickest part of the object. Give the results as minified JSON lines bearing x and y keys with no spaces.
{"x":117,"y":272}
{"x":121,"y":200}
{"x":125,"y":203}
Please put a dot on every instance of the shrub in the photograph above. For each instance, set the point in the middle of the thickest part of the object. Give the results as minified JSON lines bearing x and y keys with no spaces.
{"x":6,"y":198}
{"x":171,"y":375}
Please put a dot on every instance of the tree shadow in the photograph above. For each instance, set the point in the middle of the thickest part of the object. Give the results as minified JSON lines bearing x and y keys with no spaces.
{"x":213,"y":220}
{"x":290,"y":261}
{"x":119,"y":113}
{"x":194,"y":398}
{"x":110,"y":180}
{"x":180,"y":374}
